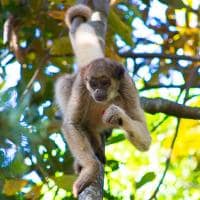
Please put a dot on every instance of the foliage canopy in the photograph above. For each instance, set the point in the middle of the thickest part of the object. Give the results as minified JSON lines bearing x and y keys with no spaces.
{"x":157,"y":40}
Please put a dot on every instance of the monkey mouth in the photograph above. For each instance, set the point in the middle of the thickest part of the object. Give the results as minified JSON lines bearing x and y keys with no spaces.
{"x":100,"y":99}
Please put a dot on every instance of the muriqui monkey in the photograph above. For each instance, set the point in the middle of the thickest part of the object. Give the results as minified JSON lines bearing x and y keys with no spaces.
{"x":100,"y":96}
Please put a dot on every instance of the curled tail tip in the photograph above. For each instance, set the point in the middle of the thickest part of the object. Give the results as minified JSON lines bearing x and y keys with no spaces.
{"x":79,"y":10}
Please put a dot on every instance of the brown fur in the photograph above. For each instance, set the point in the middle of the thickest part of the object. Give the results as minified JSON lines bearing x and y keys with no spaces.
{"x":84,"y":119}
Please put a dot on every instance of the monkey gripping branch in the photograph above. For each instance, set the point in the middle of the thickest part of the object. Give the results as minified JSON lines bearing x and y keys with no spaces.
{"x":95,"y":28}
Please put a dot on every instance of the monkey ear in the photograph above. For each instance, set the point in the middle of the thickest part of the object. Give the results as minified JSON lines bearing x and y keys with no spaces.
{"x":118,"y":71}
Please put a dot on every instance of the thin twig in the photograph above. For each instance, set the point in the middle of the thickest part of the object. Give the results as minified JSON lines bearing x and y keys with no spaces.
{"x":154,"y":195}
{"x":159,"y":123}
{"x":131,"y":54}
{"x":167,"y":163}
{"x":30,"y":83}
{"x":152,"y":87}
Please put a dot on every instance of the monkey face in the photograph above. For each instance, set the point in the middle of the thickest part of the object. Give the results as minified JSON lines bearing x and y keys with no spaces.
{"x":102,"y":89}
{"x":102,"y":78}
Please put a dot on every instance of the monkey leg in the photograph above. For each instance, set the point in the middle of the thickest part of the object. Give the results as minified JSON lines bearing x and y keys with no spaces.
{"x":97,"y":145}
{"x":84,"y":154}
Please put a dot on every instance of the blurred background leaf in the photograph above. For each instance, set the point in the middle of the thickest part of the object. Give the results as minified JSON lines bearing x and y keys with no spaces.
{"x":35,"y":162}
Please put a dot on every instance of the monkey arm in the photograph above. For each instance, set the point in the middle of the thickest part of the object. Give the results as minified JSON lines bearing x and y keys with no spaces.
{"x":84,"y":155}
{"x":136,"y":130}
{"x":76,"y":137}
{"x":131,"y":118}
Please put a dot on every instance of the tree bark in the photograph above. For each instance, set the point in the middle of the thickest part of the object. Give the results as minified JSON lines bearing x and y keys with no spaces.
{"x":159,"y":105}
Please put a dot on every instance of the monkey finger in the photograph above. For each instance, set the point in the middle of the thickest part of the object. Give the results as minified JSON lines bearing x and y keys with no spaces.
{"x":79,"y":186}
{"x":75,"y":191}
{"x":86,"y":177}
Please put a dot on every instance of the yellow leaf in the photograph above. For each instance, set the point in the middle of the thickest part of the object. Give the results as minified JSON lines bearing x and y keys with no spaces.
{"x":187,"y":30}
{"x":112,"y":2}
{"x":4,"y":2}
{"x":188,"y":140}
{"x":12,"y":186}
{"x":57,"y":14}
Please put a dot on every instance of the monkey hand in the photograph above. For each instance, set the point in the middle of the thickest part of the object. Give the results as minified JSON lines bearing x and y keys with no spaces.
{"x":113,"y":115}
{"x":87,"y":175}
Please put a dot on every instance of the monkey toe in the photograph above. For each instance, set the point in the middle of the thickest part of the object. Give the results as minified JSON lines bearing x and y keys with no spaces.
{"x":85,"y":179}
{"x":77,"y":188}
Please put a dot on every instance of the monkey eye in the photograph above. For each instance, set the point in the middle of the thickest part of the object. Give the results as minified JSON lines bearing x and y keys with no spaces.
{"x":93,"y":83}
{"x":105,"y":82}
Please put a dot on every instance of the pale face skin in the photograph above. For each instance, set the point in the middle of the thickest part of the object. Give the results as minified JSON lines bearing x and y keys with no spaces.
{"x":102,"y":89}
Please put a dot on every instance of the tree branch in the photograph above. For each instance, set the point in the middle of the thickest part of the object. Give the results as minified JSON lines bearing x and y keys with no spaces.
{"x":131,"y":54}
{"x":183,"y":86}
{"x":168,"y":107}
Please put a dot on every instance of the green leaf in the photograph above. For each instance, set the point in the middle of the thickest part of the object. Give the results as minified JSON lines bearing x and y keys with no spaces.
{"x":115,"y":139}
{"x":113,"y":164}
{"x":120,"y":27}
{"x":65,"y":181}
{"x":61,"y":46}
{"x":17,"y":167}
{"x":148,"y":177}
{"x":147,"y":2}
